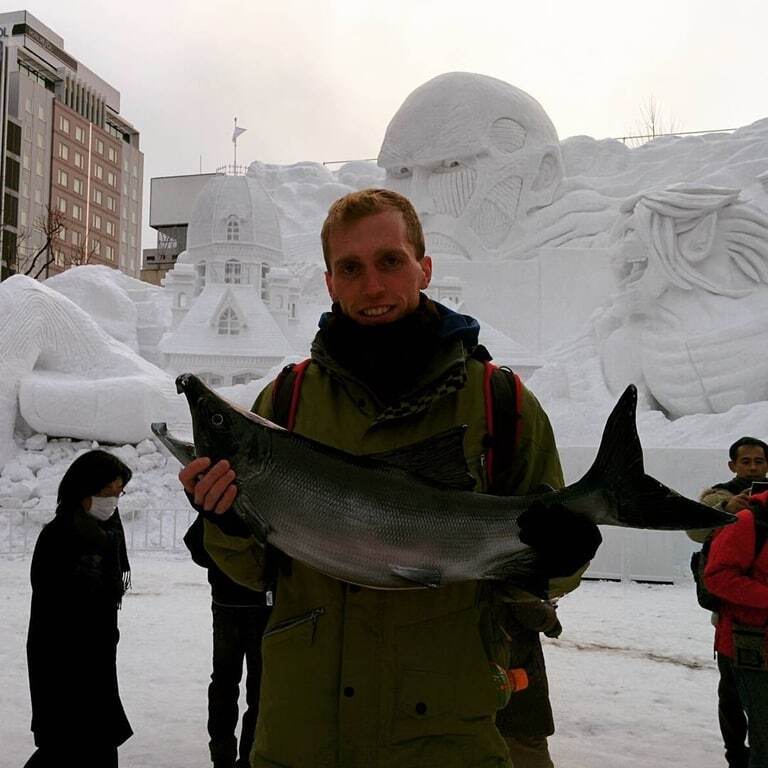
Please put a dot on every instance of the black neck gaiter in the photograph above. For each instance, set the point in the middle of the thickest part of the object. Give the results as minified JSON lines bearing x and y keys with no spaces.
{"x":388,"y":358}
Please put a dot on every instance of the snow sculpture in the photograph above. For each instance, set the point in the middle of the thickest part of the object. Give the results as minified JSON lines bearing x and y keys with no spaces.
{"x":480,"y":160}
{"x":689,"y":318}
{"x":65,"y":376}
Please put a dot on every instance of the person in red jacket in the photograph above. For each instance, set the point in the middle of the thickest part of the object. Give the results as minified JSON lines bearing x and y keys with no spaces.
{"x":739,"y":577}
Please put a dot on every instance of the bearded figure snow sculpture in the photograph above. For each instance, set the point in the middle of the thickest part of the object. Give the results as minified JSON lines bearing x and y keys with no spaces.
{"x":480,"y":161}
{"x":690,"y":318}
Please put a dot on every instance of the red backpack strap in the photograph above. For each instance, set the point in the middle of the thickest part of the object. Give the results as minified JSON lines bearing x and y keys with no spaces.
{"x":286,"y":392}
{"x":502,"y":390}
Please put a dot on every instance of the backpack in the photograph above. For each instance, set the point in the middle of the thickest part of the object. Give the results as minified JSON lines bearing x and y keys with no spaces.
{"x":501,"y":391}
{"x":699,"y":563}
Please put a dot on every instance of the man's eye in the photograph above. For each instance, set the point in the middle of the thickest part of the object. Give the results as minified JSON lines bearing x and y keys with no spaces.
{"x":348,"y":269}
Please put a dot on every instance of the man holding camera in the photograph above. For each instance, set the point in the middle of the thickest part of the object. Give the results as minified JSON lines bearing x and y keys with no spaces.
{"x":737,"y":573}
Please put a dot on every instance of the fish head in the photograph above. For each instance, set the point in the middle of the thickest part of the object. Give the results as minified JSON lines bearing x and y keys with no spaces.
{"x":223,"y":430}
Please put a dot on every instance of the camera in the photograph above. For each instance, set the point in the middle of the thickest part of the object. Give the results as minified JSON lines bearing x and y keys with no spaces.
{"x":758,"y":487}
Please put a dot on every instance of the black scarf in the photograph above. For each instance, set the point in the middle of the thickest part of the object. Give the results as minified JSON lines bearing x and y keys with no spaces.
{"x":387,"y":358}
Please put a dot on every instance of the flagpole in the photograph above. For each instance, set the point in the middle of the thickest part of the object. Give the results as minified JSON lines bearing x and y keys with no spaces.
{"x":235,"y":143}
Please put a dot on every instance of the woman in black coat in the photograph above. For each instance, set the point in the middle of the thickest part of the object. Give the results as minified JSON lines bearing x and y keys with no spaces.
{"x":79,"y":574}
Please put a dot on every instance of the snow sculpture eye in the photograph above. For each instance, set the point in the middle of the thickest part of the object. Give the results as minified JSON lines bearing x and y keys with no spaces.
{"x":403,"y":172}
{"x":217,"y":420}
{"x":448,"y":165}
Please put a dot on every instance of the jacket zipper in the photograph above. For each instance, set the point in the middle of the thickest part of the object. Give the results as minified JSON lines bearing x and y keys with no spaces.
{"x":283,"y":626}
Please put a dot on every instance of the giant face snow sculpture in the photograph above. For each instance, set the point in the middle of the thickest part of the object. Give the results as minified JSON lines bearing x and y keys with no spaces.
{"x":475,"y":155}
{"x":691,"y":312}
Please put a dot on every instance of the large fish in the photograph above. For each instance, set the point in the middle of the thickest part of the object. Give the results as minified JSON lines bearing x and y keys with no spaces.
{"x":391,"y":521}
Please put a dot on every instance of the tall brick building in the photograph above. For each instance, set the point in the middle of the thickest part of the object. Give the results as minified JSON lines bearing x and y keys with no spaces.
{"x":70,"y":162}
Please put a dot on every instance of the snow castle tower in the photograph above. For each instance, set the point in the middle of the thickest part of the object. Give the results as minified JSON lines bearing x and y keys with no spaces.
{"x":225,"y":327}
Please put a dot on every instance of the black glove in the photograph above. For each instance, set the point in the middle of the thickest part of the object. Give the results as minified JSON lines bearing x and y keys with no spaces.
{"x":564,"y":540}
{"x":555,"y":630}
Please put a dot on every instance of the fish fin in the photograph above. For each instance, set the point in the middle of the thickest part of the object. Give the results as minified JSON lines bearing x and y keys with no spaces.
{"x":426,"y":577}
{"x":183,"y":451}
{"x":439,"y":459}
{"x":521,"y":569}
{"x":260,"y":528}
{"x":637,"y":500}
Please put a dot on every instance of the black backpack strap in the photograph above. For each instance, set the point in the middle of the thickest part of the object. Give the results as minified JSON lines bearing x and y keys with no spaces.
{"x":502,"y":389}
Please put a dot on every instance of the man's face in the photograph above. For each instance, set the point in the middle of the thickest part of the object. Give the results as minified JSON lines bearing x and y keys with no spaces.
{"x":374,"y":274}
{"x":750,"y":463}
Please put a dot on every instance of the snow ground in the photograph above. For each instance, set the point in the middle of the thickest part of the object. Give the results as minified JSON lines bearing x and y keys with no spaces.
{"x":632,"y":677}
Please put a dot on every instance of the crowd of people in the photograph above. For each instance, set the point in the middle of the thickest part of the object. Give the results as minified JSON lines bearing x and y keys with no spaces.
{"x":339,"y":675}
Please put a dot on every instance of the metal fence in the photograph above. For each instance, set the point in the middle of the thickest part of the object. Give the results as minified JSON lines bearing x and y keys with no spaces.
{"x":146,"y":530}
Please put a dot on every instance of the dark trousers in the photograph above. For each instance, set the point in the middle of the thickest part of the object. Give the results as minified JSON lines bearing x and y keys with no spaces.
{"x":237,"y":635}
{"x":730,"y":712}
{"x":82,"y":756}
{"x":752,"y":685}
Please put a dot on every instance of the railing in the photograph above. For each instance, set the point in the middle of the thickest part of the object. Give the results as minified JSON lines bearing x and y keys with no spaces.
{"x":146,"y":530}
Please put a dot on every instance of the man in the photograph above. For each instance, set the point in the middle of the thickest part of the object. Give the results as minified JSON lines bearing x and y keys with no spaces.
{"x":357,"y":677}
{"x":737,"y":572}
{"x":239,"y":616}
{"x":748,"y":460}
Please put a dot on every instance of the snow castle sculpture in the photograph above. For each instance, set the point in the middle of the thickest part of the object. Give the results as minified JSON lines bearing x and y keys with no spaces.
{"x":234,"y":305}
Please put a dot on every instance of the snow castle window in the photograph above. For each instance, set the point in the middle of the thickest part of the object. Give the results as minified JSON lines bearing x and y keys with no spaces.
{"x":232,"y":272}
{"x":233,"y":228}
{"x":243,"y":378}
{"x":229,"y":323}
{"x":264,"y":282}
{"x":182,"y":301}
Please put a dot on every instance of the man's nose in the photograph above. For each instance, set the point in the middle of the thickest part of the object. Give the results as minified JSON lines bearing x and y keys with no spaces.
{"x":419,"y":193}
{"x":372,"y":283}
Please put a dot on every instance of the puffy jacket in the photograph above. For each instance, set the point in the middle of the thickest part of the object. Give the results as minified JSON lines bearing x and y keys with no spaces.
{"x":734,"y":575}
{"x":362,"y":678}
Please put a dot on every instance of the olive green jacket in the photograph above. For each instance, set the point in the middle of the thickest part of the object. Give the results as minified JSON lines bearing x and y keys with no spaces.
{"x":363,"y":678}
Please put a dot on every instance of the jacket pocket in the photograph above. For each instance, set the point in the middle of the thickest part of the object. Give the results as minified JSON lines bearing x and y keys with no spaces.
{"x":444,"y":681}
{"x":306,"y":624}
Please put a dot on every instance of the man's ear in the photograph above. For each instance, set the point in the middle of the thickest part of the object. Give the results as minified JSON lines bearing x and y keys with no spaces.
{"x":732,"y":467}
{"x":329,"y":285}
{"x":426,"y":268}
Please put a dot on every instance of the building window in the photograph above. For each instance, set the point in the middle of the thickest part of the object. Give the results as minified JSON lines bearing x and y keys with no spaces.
{"x":244,"y":378}
{"x":78,"y":160}
{"x":111,"y":154}
{"x":233,"y":228}
{"x":76,"y":238}
{"x":109,"y":252}
{"x":25,"y":162}
{"x":61,"y":204}
{"x":63,"y":234}
{"x":111,"y":203}
{"x":110,"y":178}
{"x":98,"y":171}
{"x":28,"y":105}
{"x":97,"y":195}
{"x":40,"y":140}
{"x":79,"y":134}
{"x":100,"y":146}
{"x":39,"y":167}
{"x":77,"y":185}
{"x":61,"y":178}
{"x":77,"y":212}
{"x":110,"y":227}
{"x":63,"y":151}
{"x":232,"y":271}
{"x":264,"y":283}
{"x":96,"y":221}
{"x":63,"y":124}
{"x":96,"y":246}
{"x":38,"y":196}
{"x":25,"y":189}
{"x":229,"y":323}
{"x":41,"y":113}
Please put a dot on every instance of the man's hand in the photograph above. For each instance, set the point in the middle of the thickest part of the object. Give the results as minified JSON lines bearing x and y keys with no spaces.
{"x":211,"y":488}
{"x":737,"y":503}
{"x":565,"y":540}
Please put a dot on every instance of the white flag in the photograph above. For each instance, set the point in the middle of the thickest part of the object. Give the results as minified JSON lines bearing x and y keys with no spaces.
{"x":237,"y":132}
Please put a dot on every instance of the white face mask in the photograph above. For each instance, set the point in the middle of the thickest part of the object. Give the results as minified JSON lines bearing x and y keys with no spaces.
{"x":102,"y":507}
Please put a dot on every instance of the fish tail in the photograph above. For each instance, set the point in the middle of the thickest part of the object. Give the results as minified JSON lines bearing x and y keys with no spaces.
{"x":628,"y":497}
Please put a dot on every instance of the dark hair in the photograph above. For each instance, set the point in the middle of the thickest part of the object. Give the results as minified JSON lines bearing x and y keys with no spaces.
{"x":87,"y":475}
{"x":733,"y":451}
{"x":369,"y":202}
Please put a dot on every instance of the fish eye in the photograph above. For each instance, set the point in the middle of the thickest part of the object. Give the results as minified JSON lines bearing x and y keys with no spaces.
{"x":217,"y":420}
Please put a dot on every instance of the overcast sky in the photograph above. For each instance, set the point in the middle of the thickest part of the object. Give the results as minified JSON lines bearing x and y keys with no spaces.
{"x":320,"y":79}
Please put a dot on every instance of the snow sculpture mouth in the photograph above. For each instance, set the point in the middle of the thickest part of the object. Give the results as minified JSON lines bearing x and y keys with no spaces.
{"x":440,"y":244}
